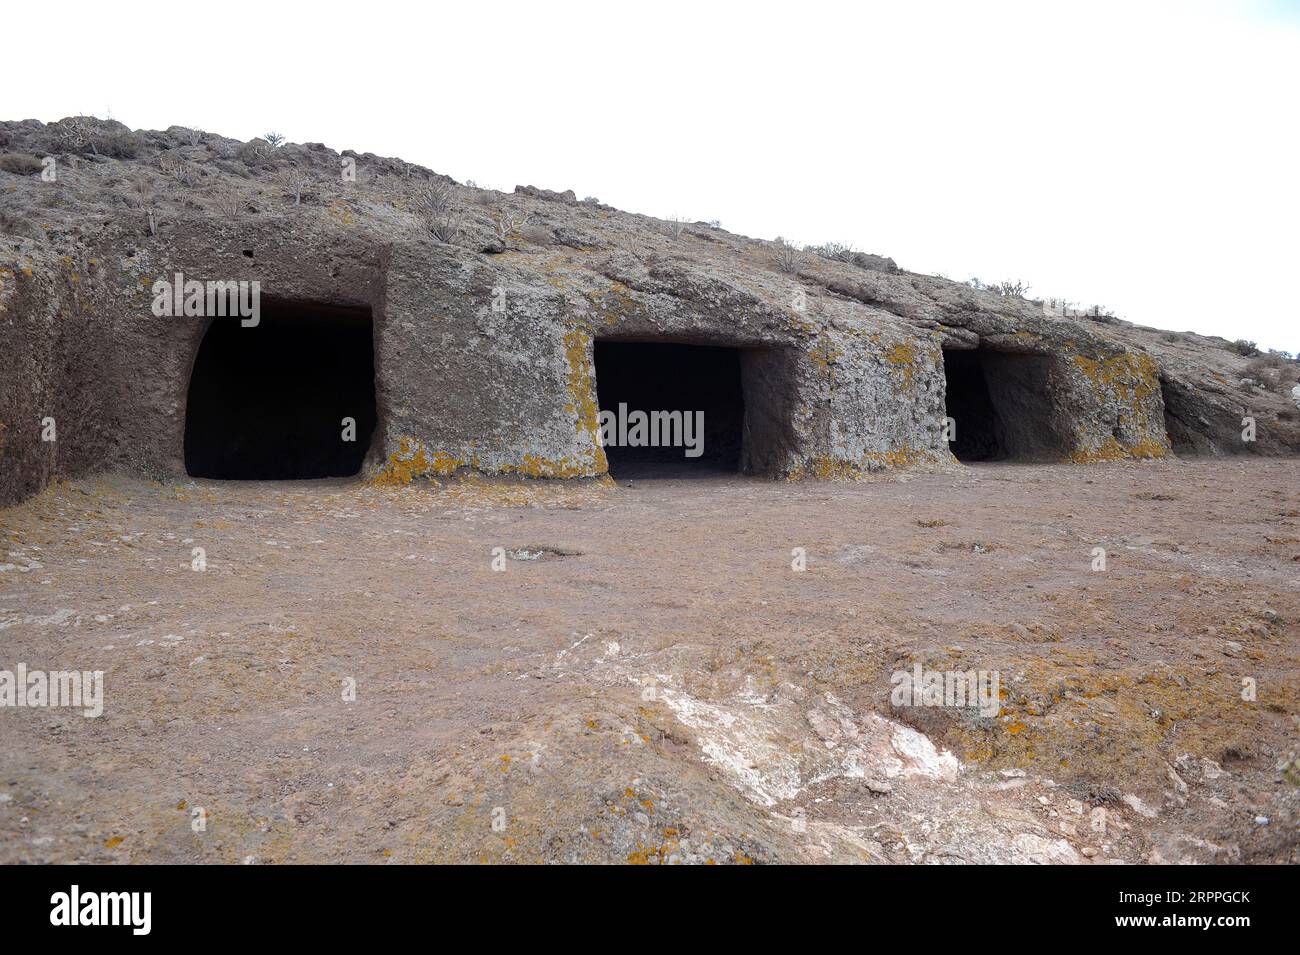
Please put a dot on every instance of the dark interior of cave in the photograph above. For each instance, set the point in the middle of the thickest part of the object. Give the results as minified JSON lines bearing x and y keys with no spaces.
{"x":673,"y":377}
{"x":269,"y":402}
{"x":1002,"y":406}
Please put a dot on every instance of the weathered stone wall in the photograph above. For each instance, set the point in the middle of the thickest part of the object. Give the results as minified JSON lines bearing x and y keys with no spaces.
{"x":886,"y":402}
{"x":30,"y":377}
{"x":481,"y":367}
{"x":484,"y":345}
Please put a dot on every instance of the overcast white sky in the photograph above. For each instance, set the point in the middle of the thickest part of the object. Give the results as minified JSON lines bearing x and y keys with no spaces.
{"x":1140,"y":155}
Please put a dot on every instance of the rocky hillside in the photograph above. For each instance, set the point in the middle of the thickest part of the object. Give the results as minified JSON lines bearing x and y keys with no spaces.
{"x":486,"y":305}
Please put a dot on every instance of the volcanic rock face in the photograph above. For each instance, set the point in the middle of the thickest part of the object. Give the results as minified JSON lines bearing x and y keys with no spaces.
{"x":483,"y":310}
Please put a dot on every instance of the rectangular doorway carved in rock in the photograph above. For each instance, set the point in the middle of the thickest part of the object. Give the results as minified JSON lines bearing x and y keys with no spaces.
{"x":1004,"y":406}
{"x":729,"y":403}
{"x":292,"y":397}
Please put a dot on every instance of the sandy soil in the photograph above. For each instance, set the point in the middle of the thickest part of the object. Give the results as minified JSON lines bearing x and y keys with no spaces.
{"x":659,"y":685}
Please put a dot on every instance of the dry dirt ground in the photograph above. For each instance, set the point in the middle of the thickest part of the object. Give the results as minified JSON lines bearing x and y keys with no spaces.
{"x":660,"y":685}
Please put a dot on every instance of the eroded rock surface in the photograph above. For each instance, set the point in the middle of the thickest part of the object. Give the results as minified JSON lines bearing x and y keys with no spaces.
{"x":483,"y":344}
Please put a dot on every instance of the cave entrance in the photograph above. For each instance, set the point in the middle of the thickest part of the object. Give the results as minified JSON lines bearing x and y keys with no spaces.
{"x":1002,"y":406}
{"x":670,"y":409}
{"x":1181,"y":420}
{"x":268,"y":402}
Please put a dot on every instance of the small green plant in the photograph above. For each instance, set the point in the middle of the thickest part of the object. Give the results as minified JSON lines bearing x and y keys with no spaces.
{"x":184,"y":173}
{"x":435,"y":206}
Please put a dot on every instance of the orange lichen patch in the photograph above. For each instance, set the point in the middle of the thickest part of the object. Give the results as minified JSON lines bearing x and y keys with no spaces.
{"x":1133,"y":380}
{"x":404,"y":465}
{"x":534,"y":466}
{"x":444,"y":464}
{"x":581,"y":385}
{"x":1132,"y":376}
{"x":1071,"y":715}
{"x":340,"y":211}
{"x":800,"y":324}
{"x":871,"y":462}
{"x":661,"y":853}
{"x":903,"y":355}
{"x":824,"y":354}
{"x":1148,"y":448}
{"x":1111,"y":450}
{"x":412,"y":461}
{"x":640,"y":855}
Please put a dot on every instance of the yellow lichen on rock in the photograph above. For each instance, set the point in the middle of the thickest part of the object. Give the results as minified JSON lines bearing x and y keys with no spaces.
{"x":539,"y":467}
{"x":1132,"y":376}
{"x":824,"y":354}
{"x":405,"y":464}
{"x":1132,"y":379}
{"x":903,"y":355}
{"x":827,"y":467}
{"x":1111,"y":450}
{"x":581,"y":385}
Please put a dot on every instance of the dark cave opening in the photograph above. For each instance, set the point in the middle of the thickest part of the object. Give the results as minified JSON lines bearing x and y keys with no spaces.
{"x":691,"y":399}
{"x":1001,"y":405}
{"x":269,"y":402}
{"x":1181,"y":424}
